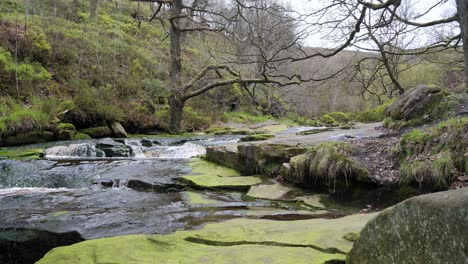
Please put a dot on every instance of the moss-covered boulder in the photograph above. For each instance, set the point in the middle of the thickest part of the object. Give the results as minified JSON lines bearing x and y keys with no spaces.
{"x":97,"y":132}
{"x":65,"y":131}
{"x":315,"y":241}
{"x":414,"y":103}
{"x":327,"y":165}
{"x":429,"y":228}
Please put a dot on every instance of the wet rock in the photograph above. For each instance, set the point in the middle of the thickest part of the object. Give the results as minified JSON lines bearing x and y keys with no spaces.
{"x":19,"y":245}
{"x":118,"y":130}
{"x":97,"y":132}
{"x":429,"y":228}
{"x":113,"y":148}
{"x":259,"y":137}
{"x":414,"y":103}
{"x":75,"y":150}
{"x":146,"y":143}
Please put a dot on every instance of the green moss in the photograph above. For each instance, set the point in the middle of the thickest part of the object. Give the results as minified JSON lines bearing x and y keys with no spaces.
{"x":207,"y":175}
{"x":22,"y":154}
{"x":259,"y":137}
{"x":340,"y":117}
{"x":328,"y":120}
{"x":81,"y":136}
{"x":239,"y":240}
{"x":244,"y":117}
{"x":327,"y":165}
{"x":66,"y":126}
{"x":376,"y":114}
{"x":195,"y":198}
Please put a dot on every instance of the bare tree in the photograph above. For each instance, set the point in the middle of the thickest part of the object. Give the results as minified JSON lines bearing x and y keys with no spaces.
{"x":187,"y":19}
{"x":350,"y":21}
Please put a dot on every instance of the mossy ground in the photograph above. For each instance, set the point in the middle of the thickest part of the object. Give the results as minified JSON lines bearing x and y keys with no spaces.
{"x":434,"y":157}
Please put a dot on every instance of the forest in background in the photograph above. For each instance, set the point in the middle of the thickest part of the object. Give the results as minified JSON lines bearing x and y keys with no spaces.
{"x":67,"y":61}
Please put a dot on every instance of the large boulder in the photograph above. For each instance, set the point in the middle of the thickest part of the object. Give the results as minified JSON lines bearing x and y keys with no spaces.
{"x":19,"y":245}
{"x":223,"y":155}
{"x":28,"y":138}
{"x":118,"y":130}
{"x":414,"y":103}
{"x":113,"y":148}
{"x":430,"y":228}
{"x":97,"y":132}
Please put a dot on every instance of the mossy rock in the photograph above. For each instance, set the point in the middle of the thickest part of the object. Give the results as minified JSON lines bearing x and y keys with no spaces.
{"x":65,"y":131}
{"x":207,"y":175}
{"x":97,"y":132}
{"x":28,"y":138}
{"x":259,"y":137}
{"x":430,"y":228}
{"x":81,"y":136}
{"x":415,"y":103}
{"x":329,"y":166}
{"x":23,"y":154}
{"x":66,"y":126}
{"x":315,"y":241}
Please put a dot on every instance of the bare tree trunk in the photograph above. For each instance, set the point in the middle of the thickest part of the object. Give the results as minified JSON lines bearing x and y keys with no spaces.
{"x":176,"y":107}
{"x":462,"y":8}
{"x":176,"y":102}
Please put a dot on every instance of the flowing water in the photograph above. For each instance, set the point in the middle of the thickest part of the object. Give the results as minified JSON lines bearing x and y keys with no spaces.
{"x":77,"y":188}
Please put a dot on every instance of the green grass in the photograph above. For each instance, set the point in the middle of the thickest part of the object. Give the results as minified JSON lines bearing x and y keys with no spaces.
{"x":244,"y":118}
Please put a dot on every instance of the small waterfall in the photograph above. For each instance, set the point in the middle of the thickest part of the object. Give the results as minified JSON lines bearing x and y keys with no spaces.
{"x":119,"y":184}
{"x":187,"y":150}
{"x":136,"y":148}
{"x":74,"y":150}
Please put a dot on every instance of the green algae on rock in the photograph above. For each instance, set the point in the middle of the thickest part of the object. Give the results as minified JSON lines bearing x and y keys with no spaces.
{"x":22,"y":154}
{"x":234,"y":241}
{"x":207,"y":175}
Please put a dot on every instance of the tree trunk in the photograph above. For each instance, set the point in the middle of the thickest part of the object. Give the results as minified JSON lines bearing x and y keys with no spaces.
{"x":462,"y":8}
{"x":176,"y":108}
{"x":176,"y":104}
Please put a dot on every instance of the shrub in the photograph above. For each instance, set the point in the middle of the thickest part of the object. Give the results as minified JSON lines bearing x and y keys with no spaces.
{"x":191,"y":120}
{"x":328,"y":120}
{"x":376,"y":114}
{"x":24,"y":120}
{"x":340,"y":117}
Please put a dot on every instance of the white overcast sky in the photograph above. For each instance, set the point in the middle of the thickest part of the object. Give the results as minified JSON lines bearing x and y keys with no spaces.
{"x":419,"y":6}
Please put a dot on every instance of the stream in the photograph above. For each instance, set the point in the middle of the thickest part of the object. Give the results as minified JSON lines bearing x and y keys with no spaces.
{"x":110,"y":196}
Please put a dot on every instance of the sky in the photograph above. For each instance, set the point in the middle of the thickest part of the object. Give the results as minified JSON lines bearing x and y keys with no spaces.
{"x":418,"y":6}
